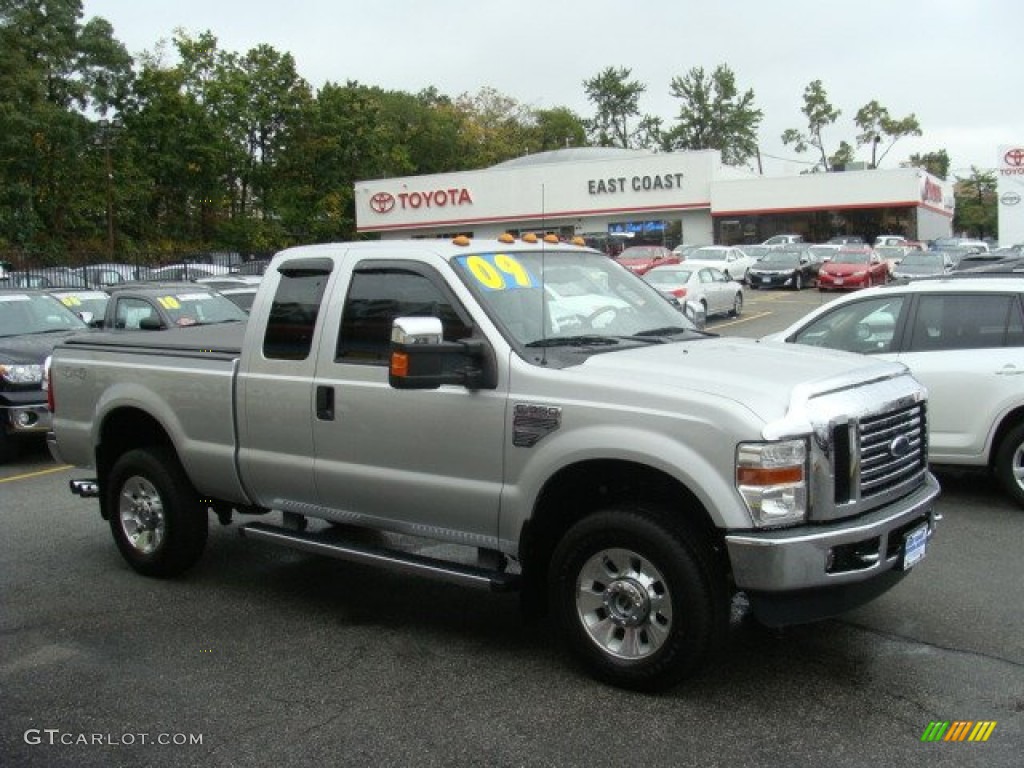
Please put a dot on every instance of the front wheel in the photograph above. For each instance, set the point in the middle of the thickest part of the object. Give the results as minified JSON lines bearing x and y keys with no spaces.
{"x":637,"y":598}
{"x":737,"y":305}
{"x":1009,"y":464}
{"x":156,"y":518}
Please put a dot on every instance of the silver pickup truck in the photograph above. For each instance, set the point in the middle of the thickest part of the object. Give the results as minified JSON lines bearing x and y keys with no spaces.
{"x":511,"y":414}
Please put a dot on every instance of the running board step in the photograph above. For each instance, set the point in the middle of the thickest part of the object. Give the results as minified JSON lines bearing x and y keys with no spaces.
{"x":409,"y":562}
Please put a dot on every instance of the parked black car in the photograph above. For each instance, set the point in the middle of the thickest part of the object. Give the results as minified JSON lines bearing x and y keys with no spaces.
{"x":784,"y":267}
{"x":32,"y":323}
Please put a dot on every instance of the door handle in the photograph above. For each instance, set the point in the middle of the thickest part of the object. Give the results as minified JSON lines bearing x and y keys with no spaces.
{"x":1009,"y":370}
{"x":325,"y":403}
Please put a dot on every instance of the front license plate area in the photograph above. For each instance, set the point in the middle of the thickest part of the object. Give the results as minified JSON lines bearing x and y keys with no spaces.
{"x":915,"y":544}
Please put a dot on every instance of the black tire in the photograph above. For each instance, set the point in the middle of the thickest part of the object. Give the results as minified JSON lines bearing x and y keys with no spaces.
{"x":155,"y":515}
{"x":737,"y":305}
{"x":1009,"y":464}
{"x":636,"y":598}
{"x":10,"y":447}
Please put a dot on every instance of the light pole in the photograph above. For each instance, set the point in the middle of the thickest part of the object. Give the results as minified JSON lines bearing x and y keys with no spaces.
{"x":108,"y":170}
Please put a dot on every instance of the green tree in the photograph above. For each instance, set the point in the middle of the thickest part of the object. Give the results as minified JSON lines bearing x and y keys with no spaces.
{"x":557,"y":128}
{"x":52,"y":70}
{"x":877,"y":126}
{"x":936,"y":163}
{"x":820,"y":114}
{"x":976,"y":203}
{"x":714,"y":115}
{"x":496,"y":128}
{"x":337,"y":141}
{"x":616,"y":100}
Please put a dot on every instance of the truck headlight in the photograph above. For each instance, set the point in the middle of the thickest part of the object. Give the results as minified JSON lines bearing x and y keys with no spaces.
{"x":772,"y":479}
{"x":21,"y":374}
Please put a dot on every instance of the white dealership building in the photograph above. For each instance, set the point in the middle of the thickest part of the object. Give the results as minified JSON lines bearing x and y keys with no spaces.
{"x":651,"y":197}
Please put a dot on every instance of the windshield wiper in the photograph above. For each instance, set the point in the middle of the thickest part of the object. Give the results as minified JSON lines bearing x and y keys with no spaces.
{"x":591,"y":340}
{"x":668,"y":330}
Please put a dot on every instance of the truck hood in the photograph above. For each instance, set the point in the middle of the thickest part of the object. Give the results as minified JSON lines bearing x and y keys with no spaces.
{"x":763,"y":376}
{"x":31,"y":349}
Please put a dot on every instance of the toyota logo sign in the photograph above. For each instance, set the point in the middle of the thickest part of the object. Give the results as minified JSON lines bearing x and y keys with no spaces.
{"x":382,"y":202}
{"x":1015,"y":157}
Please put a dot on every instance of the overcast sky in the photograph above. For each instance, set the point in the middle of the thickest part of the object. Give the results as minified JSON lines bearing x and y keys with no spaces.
{"x":956,"y":64}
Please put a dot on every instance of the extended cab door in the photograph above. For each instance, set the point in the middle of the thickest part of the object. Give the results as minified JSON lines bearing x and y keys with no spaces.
{"x":428,"y":462}
{"x":275,"y":387}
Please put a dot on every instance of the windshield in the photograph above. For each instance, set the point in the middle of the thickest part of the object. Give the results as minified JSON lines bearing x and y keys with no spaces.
{"x":780,"y":259}
{"x":709,"y":254}
{"x":921,"y":259}
{"x":541,"y":297}
{"x":23,"y":313}
{"x":850,"y":257}
{"x":200,"y":308}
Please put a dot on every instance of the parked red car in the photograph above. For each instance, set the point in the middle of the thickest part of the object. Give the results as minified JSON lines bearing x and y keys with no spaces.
{"x":853,"y":267}
{"x":640,"y":258}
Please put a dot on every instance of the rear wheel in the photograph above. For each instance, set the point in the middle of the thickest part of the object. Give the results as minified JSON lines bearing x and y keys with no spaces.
{"x":637,"y":597}
{"x":156,"y":518}
{"x":1009,"y":464}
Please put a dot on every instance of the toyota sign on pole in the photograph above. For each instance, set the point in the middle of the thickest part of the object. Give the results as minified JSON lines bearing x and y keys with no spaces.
{"x":1010,"y":189}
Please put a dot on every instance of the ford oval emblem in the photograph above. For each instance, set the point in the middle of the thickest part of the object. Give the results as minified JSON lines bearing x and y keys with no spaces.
{"x":1010,"y":198}
{"x":900,"y":447}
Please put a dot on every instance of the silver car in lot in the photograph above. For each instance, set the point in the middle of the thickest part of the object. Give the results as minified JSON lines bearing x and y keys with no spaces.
{"x":705,"y":285}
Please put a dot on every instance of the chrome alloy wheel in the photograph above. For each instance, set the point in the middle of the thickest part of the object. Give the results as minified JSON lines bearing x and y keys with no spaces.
{"x":142,"y":515}
{"x":623,"y":603}
{"x":1017,"y":466}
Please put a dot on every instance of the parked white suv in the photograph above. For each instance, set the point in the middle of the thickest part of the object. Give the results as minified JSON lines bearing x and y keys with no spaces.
{"x":963,"y":338}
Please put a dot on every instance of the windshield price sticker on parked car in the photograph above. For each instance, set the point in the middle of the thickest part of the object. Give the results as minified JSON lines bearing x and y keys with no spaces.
{"x":168,"y":302}
{"x":498,"y":271}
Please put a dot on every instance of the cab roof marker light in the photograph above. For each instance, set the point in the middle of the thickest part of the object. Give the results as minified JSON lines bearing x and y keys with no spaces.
{"x":506,"y":237}
{"x":460,"y":240}
{"x":529,"y":237}
{"x":550,"y":238}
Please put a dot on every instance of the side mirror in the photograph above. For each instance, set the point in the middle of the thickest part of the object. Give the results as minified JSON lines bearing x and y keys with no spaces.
{"x":87,"y":317}
{"x":151,"y":324}
{"x":421,"y":359}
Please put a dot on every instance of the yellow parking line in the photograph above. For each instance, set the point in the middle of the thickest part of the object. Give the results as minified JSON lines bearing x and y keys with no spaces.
{"x":740,"y":320}
{"x":40,"y":473}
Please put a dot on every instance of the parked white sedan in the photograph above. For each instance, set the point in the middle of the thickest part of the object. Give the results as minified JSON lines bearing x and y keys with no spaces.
{"x":709,"y":286}
{"x":730,"y":260}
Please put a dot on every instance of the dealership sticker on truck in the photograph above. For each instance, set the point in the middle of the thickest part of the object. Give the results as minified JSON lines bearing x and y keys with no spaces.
{"x":914,"y":546}
{"x":498,"y":271}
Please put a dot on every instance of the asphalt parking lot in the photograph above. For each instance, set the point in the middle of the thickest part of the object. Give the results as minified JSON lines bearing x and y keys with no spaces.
{"x":262,"y":656}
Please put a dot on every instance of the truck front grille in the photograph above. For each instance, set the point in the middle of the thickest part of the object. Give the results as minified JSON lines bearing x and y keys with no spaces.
{"x":893,"y":449}
{"x":878,"y":453}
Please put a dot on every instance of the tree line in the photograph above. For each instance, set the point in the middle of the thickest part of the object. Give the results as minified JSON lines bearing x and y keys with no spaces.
{"x":194,"y":148}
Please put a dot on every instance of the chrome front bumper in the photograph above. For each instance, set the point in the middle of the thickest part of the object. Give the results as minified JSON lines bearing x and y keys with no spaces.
{"x":25,"y":419}
{"x":841,"y":553}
